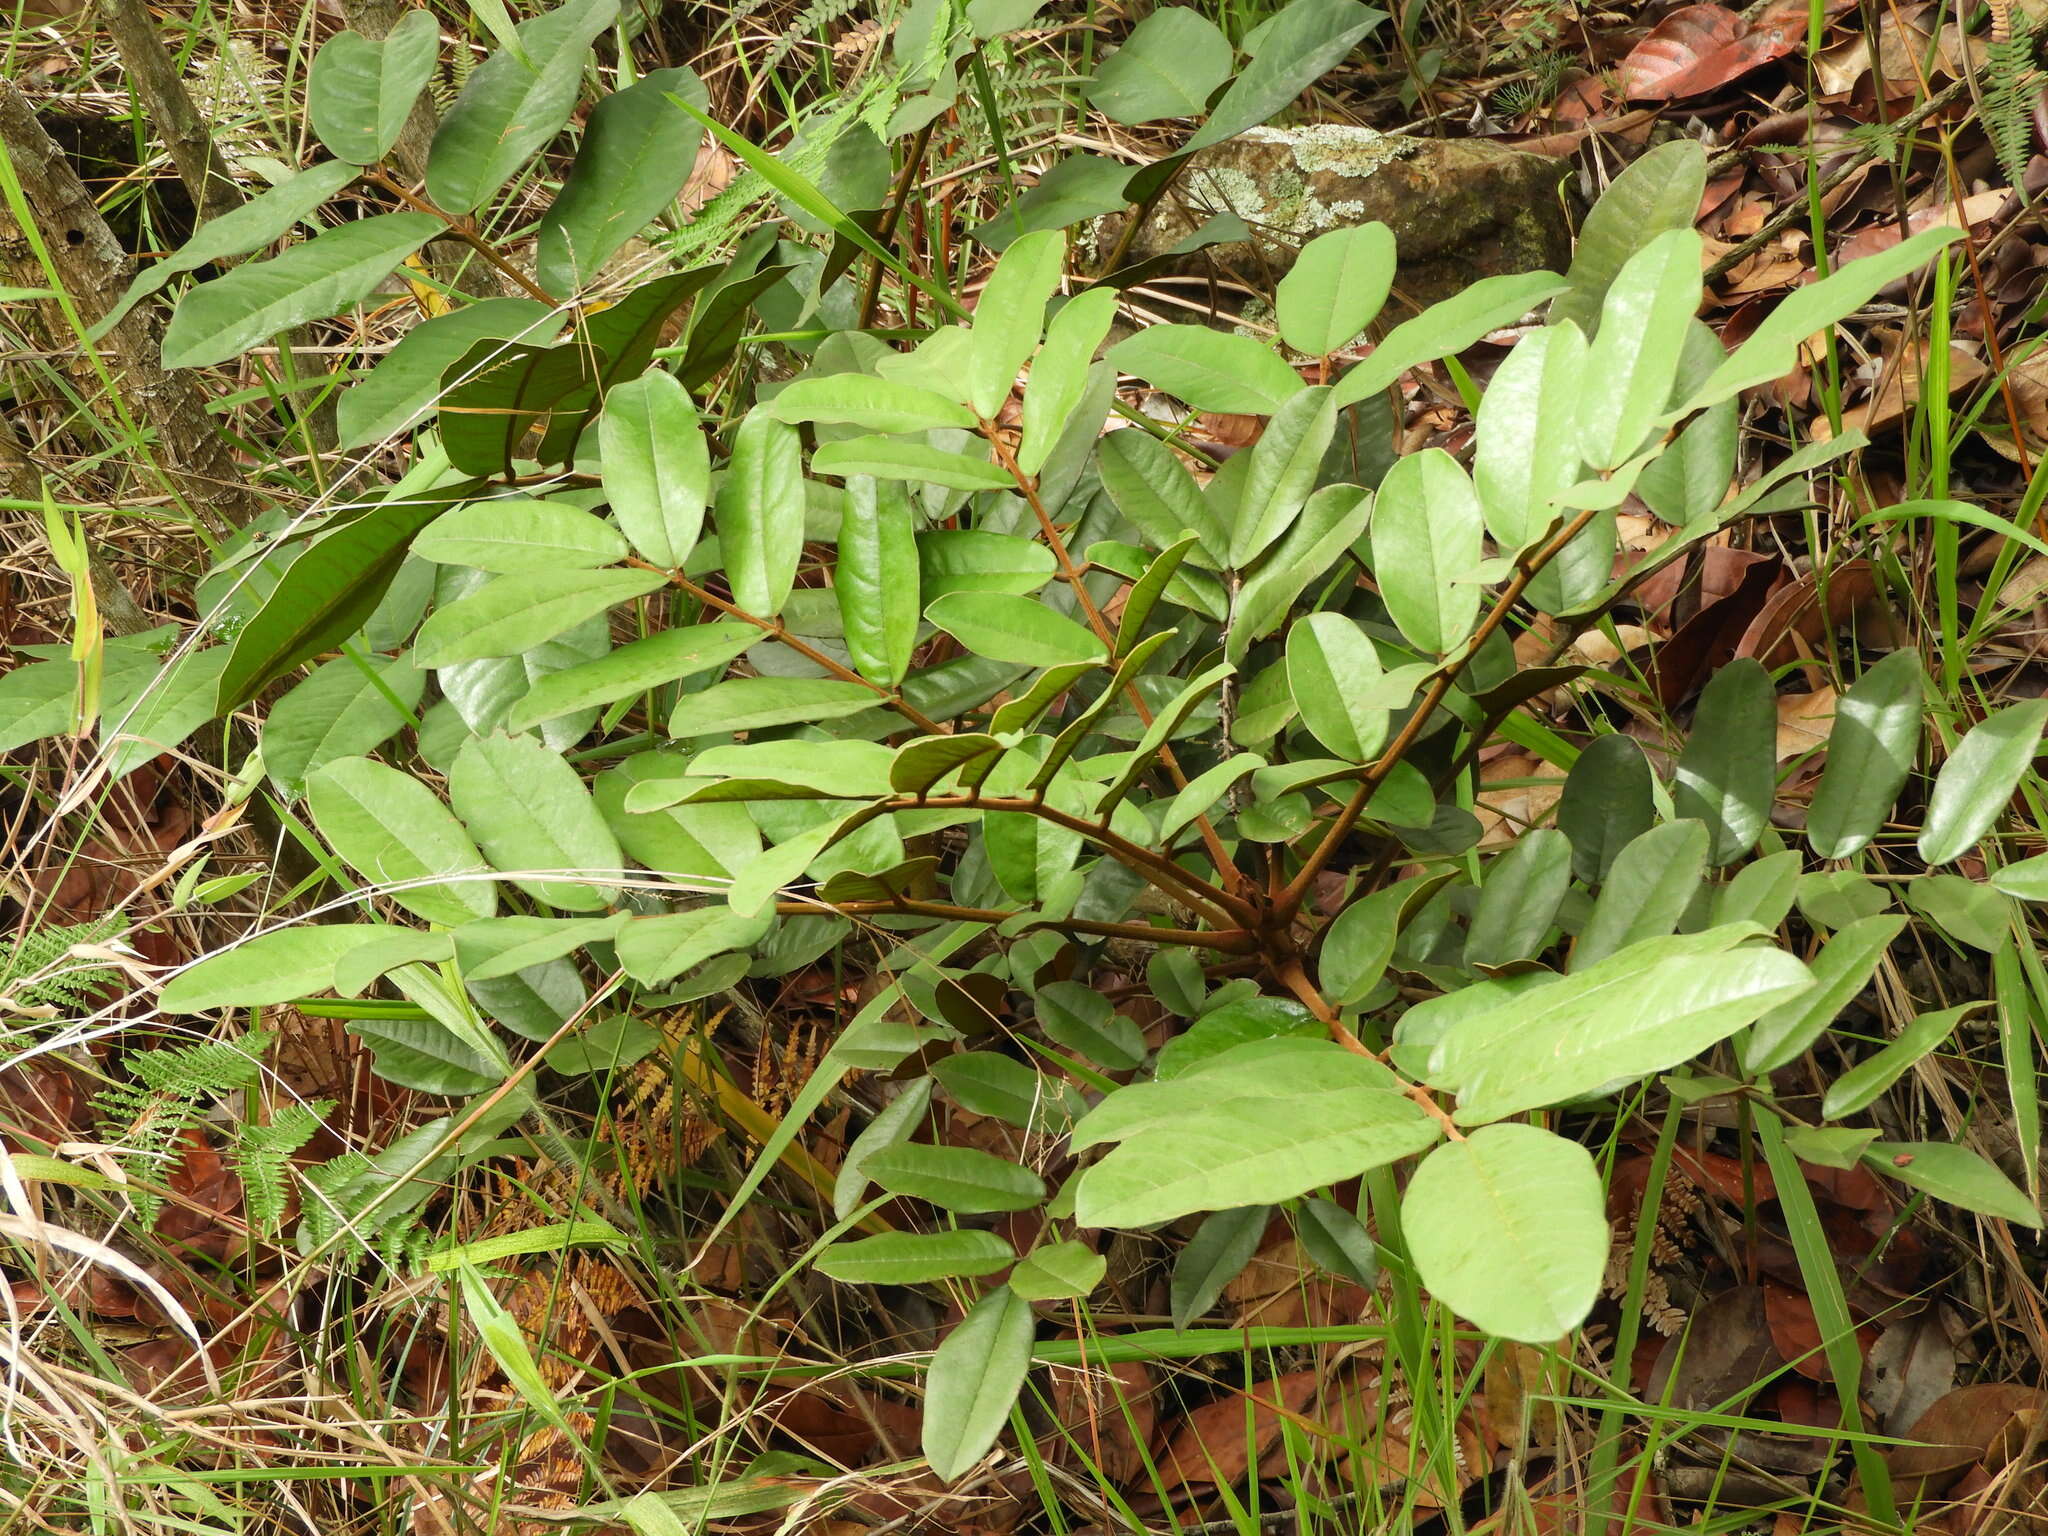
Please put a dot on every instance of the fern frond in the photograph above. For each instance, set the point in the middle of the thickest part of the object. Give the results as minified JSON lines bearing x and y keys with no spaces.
{"x":262,"y":1153}
{"x":171,"y":1090}
{"x":38,"y":971}
{"x":2011,"y":85}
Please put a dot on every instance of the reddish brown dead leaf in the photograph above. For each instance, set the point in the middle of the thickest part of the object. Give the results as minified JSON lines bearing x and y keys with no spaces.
{"x":1795,"y":1332}
{"x":1220,"y":1441}
{"x":1798,"y":617}
{"x":1701,"y":48}
{"x":1955,"y":1435}
{"x":1110,"y":1412}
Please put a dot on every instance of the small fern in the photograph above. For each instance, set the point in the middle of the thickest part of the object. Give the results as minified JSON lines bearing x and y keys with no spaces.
{"x":171,"y":1090}
{"x":338,"y":1194}
{"x":38,"y":971}
{"x":262,"y":1153}
{"x":2011,"y":85}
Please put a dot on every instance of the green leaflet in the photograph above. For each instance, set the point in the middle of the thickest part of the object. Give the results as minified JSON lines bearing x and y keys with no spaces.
{"x":226,"y":317}
{"x":512,"y":105}
{"x":268,"y":217}
{"x":638,"y":149}
{"x":359,"y":92}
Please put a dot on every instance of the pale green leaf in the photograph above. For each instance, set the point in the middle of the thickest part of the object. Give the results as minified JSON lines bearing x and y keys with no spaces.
{"x":1977,"y":782}
{"x":657,"y":466}
{"x":1334,"y":289}
{"x":1210,"y":370}
{"x":1426,"y":534}
{"x":517,"y":533}
{"x":395,"y":832}
{"x":518,"y":612}
{"x":359,"y":92}
{"x":975,"y":1376}
{"x":532,"y":816}
{"x":1508,"y":1228}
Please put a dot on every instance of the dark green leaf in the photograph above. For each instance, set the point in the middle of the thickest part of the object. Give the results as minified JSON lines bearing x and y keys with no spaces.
{"x":1285,"y":464}
{"x":760,"y":514}
{"x":1153,"y":489}
{"x":1306,"y":39}
{"x":1338,"y":1241}
{"x":1168,"y":67}
{"x":1076,"y":189}
{"x":1081,"y":1019}
{"x":1606,"y":803}
{"x":498,"y":391}
{"x":1726,"y":774}
{"x":915,"y":1258}
{"x":1647,"y":890}
{"x":959,"y":1179}
{"x":1519,"y":901}
{"x":1870,"y":752}
{"x":257,"y":223}
{"x":1221,"y":1247}
{"x":329,"y":591}
{"x":401,"y":389}
{"x":638,"y":149}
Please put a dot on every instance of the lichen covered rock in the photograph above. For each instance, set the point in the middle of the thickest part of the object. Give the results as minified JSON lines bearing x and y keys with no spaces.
{"x":1460,"y":209}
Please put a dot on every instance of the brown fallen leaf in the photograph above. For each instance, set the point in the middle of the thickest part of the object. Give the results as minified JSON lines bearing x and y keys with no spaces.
{"x":1804,"y":722}
{"x":1700,"y":48}
{"x":1899,"y":387}
{"x":1221,"y":1441}
{"x":1962,"y":1433}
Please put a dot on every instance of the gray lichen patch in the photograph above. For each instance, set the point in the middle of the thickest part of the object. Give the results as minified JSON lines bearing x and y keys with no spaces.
{"x":1459,"y":209}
